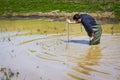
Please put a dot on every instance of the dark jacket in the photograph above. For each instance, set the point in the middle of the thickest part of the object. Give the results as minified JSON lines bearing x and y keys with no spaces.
{"x":88,"y":21}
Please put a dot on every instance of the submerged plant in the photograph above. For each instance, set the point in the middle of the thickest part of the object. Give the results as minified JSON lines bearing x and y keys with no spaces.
{"x":8,"y":74}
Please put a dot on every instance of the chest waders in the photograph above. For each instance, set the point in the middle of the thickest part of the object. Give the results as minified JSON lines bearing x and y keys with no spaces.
{"x":97,"y":34}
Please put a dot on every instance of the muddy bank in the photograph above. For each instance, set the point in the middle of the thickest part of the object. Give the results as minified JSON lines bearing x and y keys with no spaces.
{"x":103,"y":17}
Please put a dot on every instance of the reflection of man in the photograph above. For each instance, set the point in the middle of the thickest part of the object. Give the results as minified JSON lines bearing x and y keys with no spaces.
{"x":93,"y":56}
{"x":85,"y":64}
{"x":92,"y":28}
{"x":91,"y":59}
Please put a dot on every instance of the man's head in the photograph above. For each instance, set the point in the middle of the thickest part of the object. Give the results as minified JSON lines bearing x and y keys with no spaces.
{"x":77,"y":18}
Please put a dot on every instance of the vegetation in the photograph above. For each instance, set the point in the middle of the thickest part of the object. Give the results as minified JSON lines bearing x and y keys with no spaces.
{"x":26,"y":6}
{"x":50,"y":27}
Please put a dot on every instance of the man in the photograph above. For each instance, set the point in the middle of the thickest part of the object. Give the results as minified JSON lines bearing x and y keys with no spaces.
{"x":91,"y":26}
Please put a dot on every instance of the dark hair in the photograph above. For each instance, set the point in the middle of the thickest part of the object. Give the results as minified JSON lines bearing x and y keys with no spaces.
{"x":76,"y":17}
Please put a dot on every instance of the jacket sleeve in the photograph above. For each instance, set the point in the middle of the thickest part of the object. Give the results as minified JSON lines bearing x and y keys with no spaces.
{"x":88,"y":27}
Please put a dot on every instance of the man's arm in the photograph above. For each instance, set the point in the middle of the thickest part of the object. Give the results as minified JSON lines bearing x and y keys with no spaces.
{"x":71,"y":22}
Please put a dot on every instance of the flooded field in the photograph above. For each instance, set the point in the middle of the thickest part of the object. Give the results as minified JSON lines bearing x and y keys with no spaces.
{"x":39,"y":50}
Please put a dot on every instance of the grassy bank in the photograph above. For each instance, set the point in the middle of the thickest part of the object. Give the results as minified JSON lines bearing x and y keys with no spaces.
{"x":29,"y":6}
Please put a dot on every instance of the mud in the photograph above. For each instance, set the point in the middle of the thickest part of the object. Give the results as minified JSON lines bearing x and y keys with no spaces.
{"x":52,"y":57}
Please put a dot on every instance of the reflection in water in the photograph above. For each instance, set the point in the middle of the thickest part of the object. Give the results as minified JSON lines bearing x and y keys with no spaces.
{"x":32,"y":51}
{"x":83,"y":71}
{"x":50,"y":54}
{"x":93,"y":56}
{"x":49,"y":59}
{"x":28,"y":41}
{"x":75,"y":77}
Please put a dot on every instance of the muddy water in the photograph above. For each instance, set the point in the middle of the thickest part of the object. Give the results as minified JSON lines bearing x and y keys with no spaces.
{"x":51,"y":57}
{"x":25,"y":55}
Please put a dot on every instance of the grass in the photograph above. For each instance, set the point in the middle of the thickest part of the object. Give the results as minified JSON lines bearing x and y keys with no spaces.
{"x":49,"y":27}
{"x":29,"y":6}
{"x":34,"y":26}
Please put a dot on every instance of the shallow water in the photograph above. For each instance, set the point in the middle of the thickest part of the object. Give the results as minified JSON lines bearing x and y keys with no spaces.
{"x":51,"y":57}
{"x":33,"y":54}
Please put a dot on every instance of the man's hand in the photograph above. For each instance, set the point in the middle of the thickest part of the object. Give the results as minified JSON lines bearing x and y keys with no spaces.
{"x":71,"y":22}
{"x":68,"y":20}
{"x":91,"y":38}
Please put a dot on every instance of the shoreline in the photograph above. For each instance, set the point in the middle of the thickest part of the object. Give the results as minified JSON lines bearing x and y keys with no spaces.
{"x":104,"y":17}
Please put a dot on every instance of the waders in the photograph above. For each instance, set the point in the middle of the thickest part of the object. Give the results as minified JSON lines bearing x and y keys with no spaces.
{"x":97,"y":34}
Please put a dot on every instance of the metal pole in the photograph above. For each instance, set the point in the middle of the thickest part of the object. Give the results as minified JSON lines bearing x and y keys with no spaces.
{"x":67,"y":34}
{"x":68,"y":31}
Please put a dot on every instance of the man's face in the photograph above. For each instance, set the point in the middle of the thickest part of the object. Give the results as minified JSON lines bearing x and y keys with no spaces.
{"x":78,"y":21}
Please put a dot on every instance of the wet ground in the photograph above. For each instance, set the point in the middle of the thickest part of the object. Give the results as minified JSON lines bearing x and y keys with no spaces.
{"x":52,"y":57}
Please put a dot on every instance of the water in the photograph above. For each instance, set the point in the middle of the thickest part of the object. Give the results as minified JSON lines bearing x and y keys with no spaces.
{"x":25,"y":56}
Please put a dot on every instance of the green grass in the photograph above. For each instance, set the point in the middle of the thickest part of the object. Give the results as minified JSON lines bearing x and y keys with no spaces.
{"x":26,"y":6}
